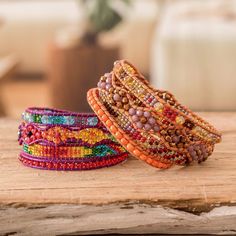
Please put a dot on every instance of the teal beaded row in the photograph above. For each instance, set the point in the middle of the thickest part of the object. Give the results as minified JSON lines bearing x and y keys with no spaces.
{"x":57,"y":120}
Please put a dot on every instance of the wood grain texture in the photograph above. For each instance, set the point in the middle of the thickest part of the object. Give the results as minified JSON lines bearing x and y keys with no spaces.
{"x":64,"y":219}
{"x":196,"y":189}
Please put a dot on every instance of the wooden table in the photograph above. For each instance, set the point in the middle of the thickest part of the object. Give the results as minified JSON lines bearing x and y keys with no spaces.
{"x":129,"y":198}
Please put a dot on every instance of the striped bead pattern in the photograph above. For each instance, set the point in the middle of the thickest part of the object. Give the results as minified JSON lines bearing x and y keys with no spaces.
{"x":56,"y":144}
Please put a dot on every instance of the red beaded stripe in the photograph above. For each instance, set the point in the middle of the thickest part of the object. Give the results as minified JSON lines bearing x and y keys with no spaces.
{"x":46,"y":165}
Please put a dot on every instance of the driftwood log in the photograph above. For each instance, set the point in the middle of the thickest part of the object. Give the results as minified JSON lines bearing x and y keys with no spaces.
{"x":129,"y":198}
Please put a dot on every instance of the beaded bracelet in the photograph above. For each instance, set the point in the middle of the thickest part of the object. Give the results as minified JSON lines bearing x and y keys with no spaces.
{"x":166,"y":106}
{"x":140,"y":116}
{"x":49,"y":136}
{"x":144,"y":121}
{"x":174,"y":144}
{"x":163,"y":102}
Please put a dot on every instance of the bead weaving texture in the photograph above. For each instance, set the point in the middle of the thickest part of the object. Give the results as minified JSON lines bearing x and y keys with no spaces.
{"x":61,"y":140}
{"x":150,"y":123}
{"x":71,"y":165}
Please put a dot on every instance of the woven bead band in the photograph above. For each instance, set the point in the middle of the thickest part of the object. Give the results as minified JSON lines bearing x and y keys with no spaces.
{"x":48,"y":116}
{"x":57,"y":141}
{"x":73,"y":151}
{"x":153,"y":136}
{"x":31,"y":133}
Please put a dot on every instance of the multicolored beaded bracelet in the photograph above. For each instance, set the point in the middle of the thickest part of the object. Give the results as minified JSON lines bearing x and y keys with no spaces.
{"x":65,"y":144}
{"x":166,"y":106}
{"x":144,"y":133}
{"x":163,"y":102}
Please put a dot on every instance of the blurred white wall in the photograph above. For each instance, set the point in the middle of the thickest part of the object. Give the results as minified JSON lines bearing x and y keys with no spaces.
{"x":194,"y":53}
{"x":29,"y":25}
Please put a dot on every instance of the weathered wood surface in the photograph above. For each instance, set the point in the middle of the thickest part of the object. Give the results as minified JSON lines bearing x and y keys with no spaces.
{"x":128,"y":198}
{"x":132,"y":218}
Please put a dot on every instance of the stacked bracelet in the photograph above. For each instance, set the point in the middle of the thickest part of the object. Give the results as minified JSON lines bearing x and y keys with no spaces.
{"x":154,"y":128}
{"x":163,"y":102}
{"x":60,"y":140}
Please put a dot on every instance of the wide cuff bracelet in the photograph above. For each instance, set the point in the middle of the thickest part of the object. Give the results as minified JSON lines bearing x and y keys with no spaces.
{"x":61,"y":137}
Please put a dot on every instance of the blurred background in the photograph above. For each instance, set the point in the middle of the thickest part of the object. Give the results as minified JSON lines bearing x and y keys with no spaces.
{"x":53,"y":51}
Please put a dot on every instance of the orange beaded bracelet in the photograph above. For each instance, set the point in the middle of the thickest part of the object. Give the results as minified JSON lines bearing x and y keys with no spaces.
{"x":163,"y":102}
{"x":154,"y":137}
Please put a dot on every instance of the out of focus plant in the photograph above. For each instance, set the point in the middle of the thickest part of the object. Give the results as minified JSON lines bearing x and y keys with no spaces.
{"x":101,"y":17}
